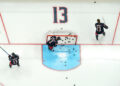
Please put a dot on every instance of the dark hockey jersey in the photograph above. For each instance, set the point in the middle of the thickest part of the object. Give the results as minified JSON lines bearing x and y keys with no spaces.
{"x":53,"y":41}
{"x":14,"y":59}
{"x":100,"y":27}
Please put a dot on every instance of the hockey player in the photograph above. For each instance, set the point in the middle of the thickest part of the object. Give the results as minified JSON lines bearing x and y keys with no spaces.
{"x":14,"y":60}
{"x":53,"y":42}
{"x":100,"y":28}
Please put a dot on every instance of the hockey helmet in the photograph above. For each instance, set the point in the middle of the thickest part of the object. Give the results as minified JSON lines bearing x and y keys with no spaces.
{"x":13,"y":53}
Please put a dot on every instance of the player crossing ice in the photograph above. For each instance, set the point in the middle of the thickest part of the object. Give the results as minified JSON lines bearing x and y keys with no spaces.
{"x":53,"y":42}
{"x":100,"y":28}
{"x":14,"y":60}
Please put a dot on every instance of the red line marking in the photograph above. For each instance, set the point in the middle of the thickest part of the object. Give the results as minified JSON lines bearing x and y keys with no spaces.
{"x":4,"y":28}
{"x":56,"y":35}
{"x":21,"y":44}
{"x":116,"y":28}
{"x":25,"y":44}
{"x":76,"y":40}
{"x":95,"y":44}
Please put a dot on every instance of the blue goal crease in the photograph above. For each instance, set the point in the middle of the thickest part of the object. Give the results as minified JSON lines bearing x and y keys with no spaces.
{"x":62,"y":58}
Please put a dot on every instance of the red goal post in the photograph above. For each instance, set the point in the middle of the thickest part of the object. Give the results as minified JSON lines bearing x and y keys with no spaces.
{"x":65,"y":39}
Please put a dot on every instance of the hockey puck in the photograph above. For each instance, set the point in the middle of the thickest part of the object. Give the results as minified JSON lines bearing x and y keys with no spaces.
{"x":66,"y":77}
{"x":74,"y":85}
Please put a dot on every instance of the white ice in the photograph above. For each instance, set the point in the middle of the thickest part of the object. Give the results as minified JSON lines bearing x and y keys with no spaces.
{"x":29,"y":22}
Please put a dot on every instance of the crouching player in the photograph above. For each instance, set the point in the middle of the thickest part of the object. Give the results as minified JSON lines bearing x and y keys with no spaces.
{"x":53,"y":42}
{"x":14,"y":60}
{"x":100,"y":28}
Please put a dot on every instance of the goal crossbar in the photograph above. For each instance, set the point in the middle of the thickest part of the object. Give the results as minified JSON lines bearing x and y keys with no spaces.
{"x":66,"y":41}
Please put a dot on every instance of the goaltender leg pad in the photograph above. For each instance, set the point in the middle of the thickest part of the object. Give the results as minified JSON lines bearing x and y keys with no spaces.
{"x":64,"y":57}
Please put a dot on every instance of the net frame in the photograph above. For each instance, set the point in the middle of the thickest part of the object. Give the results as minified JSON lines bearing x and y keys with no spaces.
{"x":76,"y":37}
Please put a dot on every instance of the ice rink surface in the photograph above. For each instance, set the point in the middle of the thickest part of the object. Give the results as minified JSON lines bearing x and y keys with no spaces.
{"x":23,"y":29}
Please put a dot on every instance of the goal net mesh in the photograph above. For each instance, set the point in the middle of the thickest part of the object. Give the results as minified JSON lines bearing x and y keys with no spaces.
{"x":66,"y":37}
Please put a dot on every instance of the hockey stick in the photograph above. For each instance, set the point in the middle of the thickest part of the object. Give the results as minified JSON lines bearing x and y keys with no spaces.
{"x":4,"y":50}
{"x":103,"y":20}
{"x":105,"y":23}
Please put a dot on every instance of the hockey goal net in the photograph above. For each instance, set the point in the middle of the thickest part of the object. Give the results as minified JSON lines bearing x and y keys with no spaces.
{"x":66,"y":37}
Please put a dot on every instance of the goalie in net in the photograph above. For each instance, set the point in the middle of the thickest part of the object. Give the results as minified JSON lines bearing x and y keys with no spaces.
{"x":60,"y":37}
{"x":52,"y":42}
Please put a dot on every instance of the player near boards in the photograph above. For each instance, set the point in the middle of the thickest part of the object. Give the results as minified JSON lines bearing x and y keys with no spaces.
{"x":52,"y":42}
{"x":14,"y":59}
{"x":100,"y":28}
